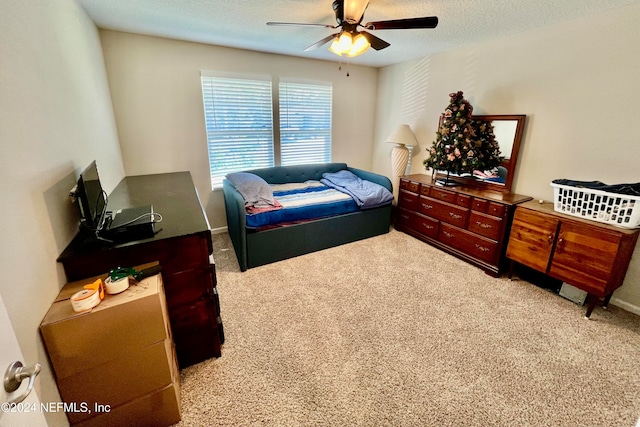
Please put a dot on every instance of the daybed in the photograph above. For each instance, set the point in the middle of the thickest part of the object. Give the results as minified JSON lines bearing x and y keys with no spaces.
{"x":255,"y":246}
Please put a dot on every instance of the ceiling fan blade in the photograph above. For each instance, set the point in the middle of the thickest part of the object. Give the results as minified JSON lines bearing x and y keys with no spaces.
{"x":321,"y":42}
{"x":403,"y":24}
{"x":376,"y":42}
{"x":299,"y":24}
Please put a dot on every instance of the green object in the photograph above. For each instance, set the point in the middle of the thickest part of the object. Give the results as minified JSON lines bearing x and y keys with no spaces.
{"x":122,"y":272}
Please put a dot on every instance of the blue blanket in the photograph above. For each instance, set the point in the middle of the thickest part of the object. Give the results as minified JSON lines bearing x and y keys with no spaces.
{"x":366,"y":194}
{"x":303,"y":201}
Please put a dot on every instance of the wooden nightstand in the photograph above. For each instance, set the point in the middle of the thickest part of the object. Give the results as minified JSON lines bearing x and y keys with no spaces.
{"x":589,"y":255}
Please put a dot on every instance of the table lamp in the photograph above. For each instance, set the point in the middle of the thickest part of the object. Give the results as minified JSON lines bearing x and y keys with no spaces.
{"x":402,"y":137}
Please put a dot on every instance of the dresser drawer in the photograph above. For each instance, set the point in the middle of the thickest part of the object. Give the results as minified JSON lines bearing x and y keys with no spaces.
{"x":446,"y":212}
{"x":463,"y":200}
{"x":196,"y":331}
{"x":444,"y":195}
{"x":405,"y":216}
{"x":200,"y":314}
{"x":425,"y":225}
{"x":407,"y":200}
{"x":448,"y":196}
{"x":189,"y":286}
{"x":174,"y":254}
{"x":480,"y":205}
{"x":496,"y":209}
{"x":426,"y":205}
{"x":405,"y":184}
{"x":478,"y":247}
{"x":485,"y":225}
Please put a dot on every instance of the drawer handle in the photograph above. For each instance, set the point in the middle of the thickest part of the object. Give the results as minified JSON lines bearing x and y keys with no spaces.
{"x":427,"y":226}
{"x":454,"y":216}
{"x":449,"y":235}
{"x":424,"y":205}
{"x":483,"y":225}
{"x":482,"y":248}
{"x":403,"y":216}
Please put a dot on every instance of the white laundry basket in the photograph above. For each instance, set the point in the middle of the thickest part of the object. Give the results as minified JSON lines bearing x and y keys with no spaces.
{"x":621,"y":210}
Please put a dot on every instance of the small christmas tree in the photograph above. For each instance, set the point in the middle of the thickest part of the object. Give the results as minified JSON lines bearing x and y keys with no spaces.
{"x":462,"y":144}
{"x":454,"y":148}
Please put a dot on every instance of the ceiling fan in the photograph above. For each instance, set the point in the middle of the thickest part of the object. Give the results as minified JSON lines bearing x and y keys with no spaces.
{"x":351,"y":41}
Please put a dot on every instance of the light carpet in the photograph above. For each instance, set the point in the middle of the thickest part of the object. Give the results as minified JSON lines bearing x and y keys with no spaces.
{"x":390,"y":331}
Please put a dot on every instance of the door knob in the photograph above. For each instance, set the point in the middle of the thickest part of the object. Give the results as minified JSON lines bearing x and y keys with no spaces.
{"x":15,"y":374}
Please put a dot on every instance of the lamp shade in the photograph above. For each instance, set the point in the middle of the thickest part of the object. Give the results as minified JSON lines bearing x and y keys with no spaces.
{"x":354,"y":9}
{"x":403,"y":135}
{"x":359,"y":46}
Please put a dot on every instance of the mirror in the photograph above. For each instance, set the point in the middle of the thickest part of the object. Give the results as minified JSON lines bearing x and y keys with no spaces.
{"x":508,"y":131}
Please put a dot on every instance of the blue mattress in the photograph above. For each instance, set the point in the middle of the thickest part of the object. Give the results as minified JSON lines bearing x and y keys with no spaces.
{"x":303,"y":201}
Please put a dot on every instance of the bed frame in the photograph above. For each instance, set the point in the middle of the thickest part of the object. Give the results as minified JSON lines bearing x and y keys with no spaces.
{"x":255,"y":248}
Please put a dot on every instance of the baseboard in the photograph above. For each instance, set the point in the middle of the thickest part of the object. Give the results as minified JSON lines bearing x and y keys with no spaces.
{"x":625,"y":306}
{"x":219,"y":230}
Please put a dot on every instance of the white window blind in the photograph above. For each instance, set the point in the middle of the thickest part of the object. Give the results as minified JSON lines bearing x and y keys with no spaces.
{"x":305,"y":123}
{"x":239,"y":123}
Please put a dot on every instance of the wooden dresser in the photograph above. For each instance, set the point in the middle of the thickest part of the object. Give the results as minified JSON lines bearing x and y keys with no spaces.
{"x":182,"y":246}
{"x":586,"y":254}
{"x":468,"y":222}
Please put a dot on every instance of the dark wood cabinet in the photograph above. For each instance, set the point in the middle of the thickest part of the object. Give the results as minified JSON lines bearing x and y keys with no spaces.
{"x":589,"y":255}
{"x":183,"y":247}
{"x":469,"y":222}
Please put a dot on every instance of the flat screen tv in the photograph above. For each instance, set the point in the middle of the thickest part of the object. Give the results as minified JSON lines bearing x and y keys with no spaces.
{"x":91,"y":198}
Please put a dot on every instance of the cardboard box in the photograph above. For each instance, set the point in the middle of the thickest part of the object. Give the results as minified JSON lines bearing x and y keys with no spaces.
{"x":115,"y":364}
{"x":120,"y":380}
{"x":157,"y":409}
{"x":118,"y":327}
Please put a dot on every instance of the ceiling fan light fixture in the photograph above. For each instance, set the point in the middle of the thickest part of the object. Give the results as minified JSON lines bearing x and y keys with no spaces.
{"x":354,"y":9}
{"x":359,"y":46}
{"x":341,"y":44}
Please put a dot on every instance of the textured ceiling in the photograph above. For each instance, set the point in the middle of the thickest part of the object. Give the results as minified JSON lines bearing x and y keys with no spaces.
{"x":242,"y":23}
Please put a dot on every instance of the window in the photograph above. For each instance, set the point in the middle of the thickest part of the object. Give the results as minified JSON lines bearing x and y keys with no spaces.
{"x":240,"y":123}
{"x":305,"y":123}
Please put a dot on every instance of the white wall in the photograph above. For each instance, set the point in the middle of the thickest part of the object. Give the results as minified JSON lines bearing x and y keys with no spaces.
{"x":157,"y":98}
{"x":578,"y":84}
{"x":55,"y":117}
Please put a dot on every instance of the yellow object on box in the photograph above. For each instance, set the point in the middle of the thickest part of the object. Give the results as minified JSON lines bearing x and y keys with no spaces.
{"x":97,"y":286}
{"x":89,"y":297}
